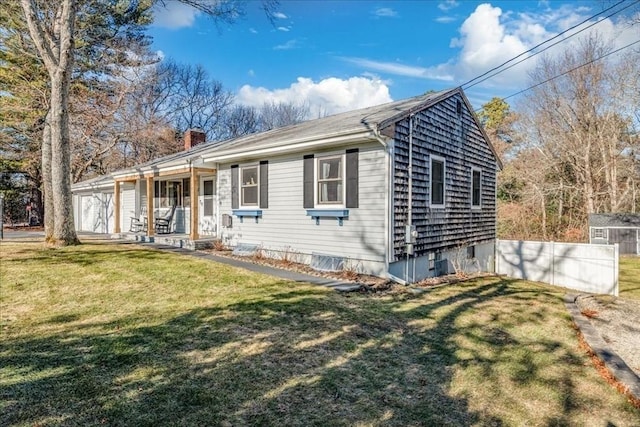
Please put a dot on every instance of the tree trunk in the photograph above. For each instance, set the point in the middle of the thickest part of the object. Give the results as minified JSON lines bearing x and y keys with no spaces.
{"x":64,"y":229}
{"x":48,"y":210}
{"x":55,"y":45}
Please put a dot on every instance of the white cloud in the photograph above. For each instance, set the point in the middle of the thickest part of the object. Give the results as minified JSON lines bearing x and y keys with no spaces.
{"x":485,"y":41}
{"x":433,"y":73}
{"x":279,"y":15}
{"x":253,"y":30}
{"x":285,"y":29}
{"x":448,"y":5}
{"x":385,"y":12}
{"x":291,"y":44}
{"x":328,"y":96}
{"x":490,"y":37}
{"x":174,"y":15}
{"x":445,"y":19}
{"x":251,"y":73}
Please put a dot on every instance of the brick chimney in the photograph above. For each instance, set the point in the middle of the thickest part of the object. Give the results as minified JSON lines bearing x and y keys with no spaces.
{"x":193,"y":137}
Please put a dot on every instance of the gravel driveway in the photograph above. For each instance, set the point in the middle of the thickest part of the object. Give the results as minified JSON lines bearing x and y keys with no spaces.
{"x":617,"y":320}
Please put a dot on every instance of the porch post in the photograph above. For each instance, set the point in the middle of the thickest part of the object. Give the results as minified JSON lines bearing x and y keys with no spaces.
{"x":195,"y":192}
{"x":116,"y":207}
{"x":150,"y":196}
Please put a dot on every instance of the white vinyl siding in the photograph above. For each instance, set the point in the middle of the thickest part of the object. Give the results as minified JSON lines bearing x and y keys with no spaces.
{"x":286,"y":225}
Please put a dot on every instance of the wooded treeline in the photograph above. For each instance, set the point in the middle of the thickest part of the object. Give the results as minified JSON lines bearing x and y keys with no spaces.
{"x":125,"y":104}
{"x":571,"y":145}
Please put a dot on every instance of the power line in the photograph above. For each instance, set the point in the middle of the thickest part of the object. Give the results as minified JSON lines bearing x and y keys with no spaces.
{"x":468,"y":84}
{"x":571,"y":70}
{"x":548,"y":47}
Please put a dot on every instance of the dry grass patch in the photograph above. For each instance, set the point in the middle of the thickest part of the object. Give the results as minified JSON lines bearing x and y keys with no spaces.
{"x":124,"y":335}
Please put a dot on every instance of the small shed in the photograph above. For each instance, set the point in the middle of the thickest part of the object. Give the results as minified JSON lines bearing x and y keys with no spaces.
{"x":620,"y":228}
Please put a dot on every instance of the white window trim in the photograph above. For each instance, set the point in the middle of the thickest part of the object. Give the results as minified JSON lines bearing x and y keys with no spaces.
{"x":433,"y":157}
{"x":316,"y":196}
{"x":479,"y":205}
{"x":604,"y":233}
{"x":242,"y":186}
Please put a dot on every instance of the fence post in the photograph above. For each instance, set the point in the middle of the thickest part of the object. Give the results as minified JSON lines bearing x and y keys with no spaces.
{"x":1,"y":216}
{"x":552,"y":267}
{"x":616,"y":266}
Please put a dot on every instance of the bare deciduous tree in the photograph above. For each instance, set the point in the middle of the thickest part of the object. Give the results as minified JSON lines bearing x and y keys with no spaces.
{"x":578,"y":138}
{"x":52,"y":32}
{"x":278,"y":114}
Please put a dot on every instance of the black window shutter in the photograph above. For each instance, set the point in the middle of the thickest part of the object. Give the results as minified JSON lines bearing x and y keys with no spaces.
{"x":352,"y":178}
{"x":264,"y":184}
{"x":235,"y":191}
{"x":308,"y":201}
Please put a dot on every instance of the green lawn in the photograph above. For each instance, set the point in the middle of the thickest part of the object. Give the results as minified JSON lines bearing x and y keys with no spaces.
{"x":629,"y":277}
{"x":107,"y":334}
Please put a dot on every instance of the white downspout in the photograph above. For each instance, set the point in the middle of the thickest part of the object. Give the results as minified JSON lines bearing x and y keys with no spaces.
{"x":388,"y":201}
{"x":409,"y":245}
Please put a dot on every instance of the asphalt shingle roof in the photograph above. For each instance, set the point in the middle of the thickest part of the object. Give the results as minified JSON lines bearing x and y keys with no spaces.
{"x":614,"y":220}
{"x":370,"y":118}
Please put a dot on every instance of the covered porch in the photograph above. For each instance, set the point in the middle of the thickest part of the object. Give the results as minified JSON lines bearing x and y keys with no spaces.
{"x":176,"y":205}
{"x":174,"y":239}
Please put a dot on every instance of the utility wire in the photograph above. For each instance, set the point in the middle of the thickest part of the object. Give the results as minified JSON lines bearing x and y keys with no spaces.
{"x":569,"y":71}
{"x":546,"y":48}
{"x":468,"y":84}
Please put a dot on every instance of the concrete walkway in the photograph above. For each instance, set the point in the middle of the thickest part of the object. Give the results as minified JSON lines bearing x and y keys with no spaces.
{"x":294,"y":276}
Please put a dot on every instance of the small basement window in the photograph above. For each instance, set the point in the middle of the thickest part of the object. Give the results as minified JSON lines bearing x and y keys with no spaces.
{"x":471,"y":252}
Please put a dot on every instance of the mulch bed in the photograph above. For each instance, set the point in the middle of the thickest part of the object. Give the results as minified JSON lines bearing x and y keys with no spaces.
{"x":369,"y":284}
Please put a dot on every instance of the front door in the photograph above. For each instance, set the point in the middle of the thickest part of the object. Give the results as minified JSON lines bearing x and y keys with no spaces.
{"x":207,"y":206}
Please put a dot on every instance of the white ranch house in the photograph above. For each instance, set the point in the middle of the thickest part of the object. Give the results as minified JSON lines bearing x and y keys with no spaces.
{"x":333,"y":192}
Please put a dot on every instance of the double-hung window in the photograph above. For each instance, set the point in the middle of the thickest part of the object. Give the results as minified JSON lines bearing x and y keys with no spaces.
{"x":330,"y":180}
{"x":476,"y":188}
{"x":249,"y":186}
{"x":438,"y":170}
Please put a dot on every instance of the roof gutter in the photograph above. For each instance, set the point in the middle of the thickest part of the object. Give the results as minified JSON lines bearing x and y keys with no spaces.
{"x":80,"y":186}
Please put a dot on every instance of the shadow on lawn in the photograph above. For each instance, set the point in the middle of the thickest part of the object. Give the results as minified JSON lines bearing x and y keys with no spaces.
{"x":86,"y":257}
{"x":302,"y":357}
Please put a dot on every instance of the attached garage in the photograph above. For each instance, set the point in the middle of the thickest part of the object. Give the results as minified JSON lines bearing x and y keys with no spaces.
{"x":620,"y":228}
{"x":94,"y":207}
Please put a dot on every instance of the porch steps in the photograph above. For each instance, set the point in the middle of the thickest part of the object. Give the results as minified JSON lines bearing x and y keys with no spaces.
{"x":178,"y":241}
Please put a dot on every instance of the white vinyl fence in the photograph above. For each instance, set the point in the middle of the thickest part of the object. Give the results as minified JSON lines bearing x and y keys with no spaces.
{"x":584,"y":267}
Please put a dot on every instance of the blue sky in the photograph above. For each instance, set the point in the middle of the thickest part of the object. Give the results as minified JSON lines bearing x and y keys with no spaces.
{"x":337,"y":56}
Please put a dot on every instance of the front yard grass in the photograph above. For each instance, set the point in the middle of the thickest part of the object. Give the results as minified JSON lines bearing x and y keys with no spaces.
{"x":125,"y":335}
